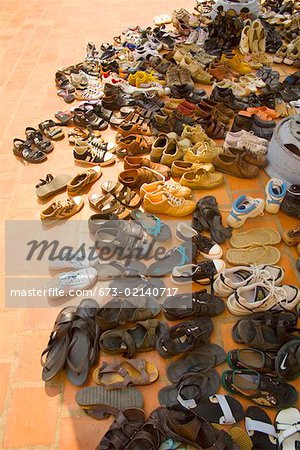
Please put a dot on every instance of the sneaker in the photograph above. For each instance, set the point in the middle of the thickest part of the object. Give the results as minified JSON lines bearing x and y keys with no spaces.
{"x":292,"y":237}
{"x":194,"y":133}
{"x":201,"y":152}
{"x":203,"y":272}
{"x":287,"y":363}
{"x":88,"y":154}
{"x":245,"y":207}
{"x":62,"y":209}
{"x":167,"y":187}
{"x":83,"y":179}
{"x":260,"y":297}
{"x":159,"y":146}
{"x":240,"y":276}
{"x":291,"y":201}
{"x":275,"y":193}
{"x":206,"y":246}
{"x":179,"y":168}
{"x":235,"y":165}
{"x":171,"y":153}
{"x":201,"y":179}
{"x":68,"y":283}
{"x":246,"y":139}
{"x":168,"y":204}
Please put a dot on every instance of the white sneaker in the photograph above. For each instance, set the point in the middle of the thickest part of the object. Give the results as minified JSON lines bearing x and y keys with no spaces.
{"x":275,"y":193}
{"x":77,"y":263}
{"x":202,"y":36}
{"x":71,"y":283}
{"x":245,"y":207}
{"x":246,"y":139}
{"x":231,"y":279}
{"x":260,"y":297}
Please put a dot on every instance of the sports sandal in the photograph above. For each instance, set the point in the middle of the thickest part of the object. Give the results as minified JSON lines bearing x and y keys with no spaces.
{"x":208,"y":214}
{"x":190,"y":389}
{"x":198,"y":304}
{"x":51,"y":186}
{"x":118,"y":311}
{"x":251,"y":358}
{"x":200,"y":360}
{"x":255,"y":236}
{"x":127,"y":423}
{"x":151,"y":434}
{"x":36,"y":138}
{"x":25,"y":150}
{"x":99,"y":402}
{"x":152,"y":225}
{"x":83,"y":348}
{"x":184,"y":337}
{"x":222,"y":409}
{"x":184,"y":426}
{"x":51,"y":129}
{"x":256,"y":254}
{"x":287,"y":362}
{"x":108,"y":204}
{"x":117,"y":375}
{"x":128,"y":341}
{"x":178,"y":256}
{"x":261,"y":389}
{"x":287,"y":427}
{"x":260,"y":429}
{"x":123,"y":194}
{"x":118,"y":269}
{"x":266,"y":331}
{"x":57,"y":347}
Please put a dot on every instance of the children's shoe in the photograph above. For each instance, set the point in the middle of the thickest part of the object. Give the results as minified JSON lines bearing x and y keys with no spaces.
{"x":245,"y":207}
{"x":275,"y":193}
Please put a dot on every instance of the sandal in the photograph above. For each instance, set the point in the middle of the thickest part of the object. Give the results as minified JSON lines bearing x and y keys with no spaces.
{"x":22,"y":149}
{"x":208,"y":214}
{"x":117,"y":375}
{"x":133,"y":145}
{"x":51,"y":129}
{"x":128,"y":341}
{"x":126,"y":196}
{"x":83,"y":348}
{"x":152,"y":225}
{"x":184,"y":337}
{"x":256,"y":236}
{"x":222,"y":409}
{"x":107,"y":204}
{"x":287,"y":427}
{"x":130,"y":128}
{"x":260,"y":429}
{"x":99,"y":402}
{"x":178,"y":256}
{"x":57,"y":348}
{"x":51,"y":186}
{"x":36,"y":137}
{"x":254,"y":255}
{"x":152,"y":434}
{"x":118,"y":269}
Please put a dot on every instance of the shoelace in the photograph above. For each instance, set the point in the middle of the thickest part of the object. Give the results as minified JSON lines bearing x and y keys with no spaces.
{"x":278,"y":295}
{"x":70,"y":278}
{"x":260,"y":274}
{"x":61,"y":204}
{"x":97,"y":152}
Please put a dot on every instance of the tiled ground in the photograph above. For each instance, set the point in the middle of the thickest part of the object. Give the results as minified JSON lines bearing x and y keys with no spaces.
{"x":36,"y":38}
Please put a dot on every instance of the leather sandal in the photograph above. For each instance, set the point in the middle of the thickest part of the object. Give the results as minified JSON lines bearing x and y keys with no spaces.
{"x":23,"y":149}
{"x":36,"y":138}
{"x":122,"y":193}
{"x":108,"y":204}
{"x":135,"y":178}
{"x":51,"y":129}
{"x":128,"y":128}
{"x":152,"y":434}
{"x":133,"y":145}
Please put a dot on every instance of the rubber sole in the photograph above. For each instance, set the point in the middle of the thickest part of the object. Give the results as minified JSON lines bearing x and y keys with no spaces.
{"x":90,"y":397}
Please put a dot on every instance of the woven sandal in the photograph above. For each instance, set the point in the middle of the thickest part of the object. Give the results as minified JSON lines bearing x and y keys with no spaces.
{"x":262,"y":254}
{"x":255,"y":236}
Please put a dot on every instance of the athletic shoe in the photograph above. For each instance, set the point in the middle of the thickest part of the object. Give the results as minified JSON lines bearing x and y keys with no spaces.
{"x":231,"y":279}
{"x":275,"y":193}
{"x":71,"y":283}
{"x":203,"y":272}
{"x":207,"y":247}
{"x":245,"y":207}
{"x":287,"y":363}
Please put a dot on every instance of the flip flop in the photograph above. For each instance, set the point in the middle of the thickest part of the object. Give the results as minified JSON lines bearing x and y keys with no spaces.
{"x":153,"y":226}
{"x":222,"y":409}
{"x":190,"y":390}
{"x":51,"y":186}
{"x":178,"y":256}
{"x":100,"y":403}
{"x":287,"y":427}
{"x":118,"y":375}
{"x":260,"y":429}
{"x":255,"y":236}
{"x":200,"y":360}
{"x":253,"y":255}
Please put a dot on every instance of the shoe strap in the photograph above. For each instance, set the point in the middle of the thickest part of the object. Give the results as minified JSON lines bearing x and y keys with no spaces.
{"x":257,"y":425}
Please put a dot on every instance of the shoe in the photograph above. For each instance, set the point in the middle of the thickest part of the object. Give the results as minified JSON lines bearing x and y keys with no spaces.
{"x":246,"y":139}
{"x":275,"y":192}
{"x":196,"y":70}
{"x":166,"y":203}
{"x":201,"y":179}
{"x":135,"y":178}
{"x":194,"y":133}
{"x":245,"y":207}
{"x":67,"y":283}
{"x":201,"y":153}
{"x":87,"y":154}
{"x":254,"y":159}
{"x":261,"y":389}
{"x":261,"y":297}
{"x":62,"y":209}
{"x":244,"y":42}
{"x":251,"y":359}
{"x":198,"y":304}
{"x":80,"y":181}
{"x":221,"y":95}
{"x":231,"y":279}
{"x":292,"y":237}
{"x":291,"y":202}
{"x":206,"y":247}
{"x":171,"y":153}
{"x":136,"y":162}
{"x":235,"y":165}
{"x":179,"y":168}
{"x":237,"y":64}
{"x":167,"y":187}
{"x":203,"y":272}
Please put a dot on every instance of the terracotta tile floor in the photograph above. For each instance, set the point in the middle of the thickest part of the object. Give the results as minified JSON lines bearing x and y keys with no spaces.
{"x":37,"y":38}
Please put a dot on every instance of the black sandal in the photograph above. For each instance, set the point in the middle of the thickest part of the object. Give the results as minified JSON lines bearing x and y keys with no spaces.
{"x":51,"y":129}
{"x":36,"y":137}
{"x":23,"y":149}
{"x":209,"y":216}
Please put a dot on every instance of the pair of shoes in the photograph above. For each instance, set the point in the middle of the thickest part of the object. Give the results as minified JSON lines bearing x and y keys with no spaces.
{"x":226,"y":96}
{"x":164,"y":202}
{"x":137,"y":162}
{"x":261,"y":128}
{"x":92,"y":153}
{"x":62,"y":209}
{"x":201,"y":179}
{"x":220,"y":70}
{"x":34,"y":149}
{"x":237,"y":63}
{"x":244,"y":139}
{"x":239,"y":162}
{"x":207,"y":109}
{"x":262,"y":112}
{"x":253,"y":38}
{"x":165,"y":150}
{"x":179,"y":80}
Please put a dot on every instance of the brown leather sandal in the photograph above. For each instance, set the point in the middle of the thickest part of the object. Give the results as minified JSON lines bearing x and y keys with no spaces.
{"x":127,"y":128}
{"x":152,"y":433}
{"x":134,"y":178}
{"x":117,"y":375}
{"x":108,"y":204}
{"x":133,"y":145}
{"x":123,"y":194}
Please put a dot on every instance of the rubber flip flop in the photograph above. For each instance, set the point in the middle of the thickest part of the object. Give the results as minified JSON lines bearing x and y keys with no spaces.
{"x":253,"y":255}
{"x":286,"y":424}
{"x":256,"y":236}
{"x":178,"y":256}
{"x":116,"y":269}
{"x":153,"y":226}
{"x":260,"y":429}
{"x":100,"y":403}
{"x":190,"y":390}
{"x":202,"y":359}
{"x":51,"y":186}
{"x":222,"y":409}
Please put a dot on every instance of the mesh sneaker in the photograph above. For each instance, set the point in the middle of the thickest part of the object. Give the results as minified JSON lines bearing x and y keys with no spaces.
{"x":275,"y":193}
{"x":245,"y":207}
{"x":231,"y":279}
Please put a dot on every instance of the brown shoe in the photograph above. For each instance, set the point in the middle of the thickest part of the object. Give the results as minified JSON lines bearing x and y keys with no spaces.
{"x":62,"y":209}
{"x":135,"y":162}
{"x":235,"y":165}
{"x":133,"y":144}
{"x":255,"y":159}
{"x":127,"y":128}
{"x":292,"y":237}
{"x":134,"y":178}
{"x":80,"y":181}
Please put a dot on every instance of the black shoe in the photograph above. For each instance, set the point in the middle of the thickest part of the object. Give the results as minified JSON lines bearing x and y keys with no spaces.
{"x":242,"y":123}
{"x":291,"y":201}
{"x":226,"y":96}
